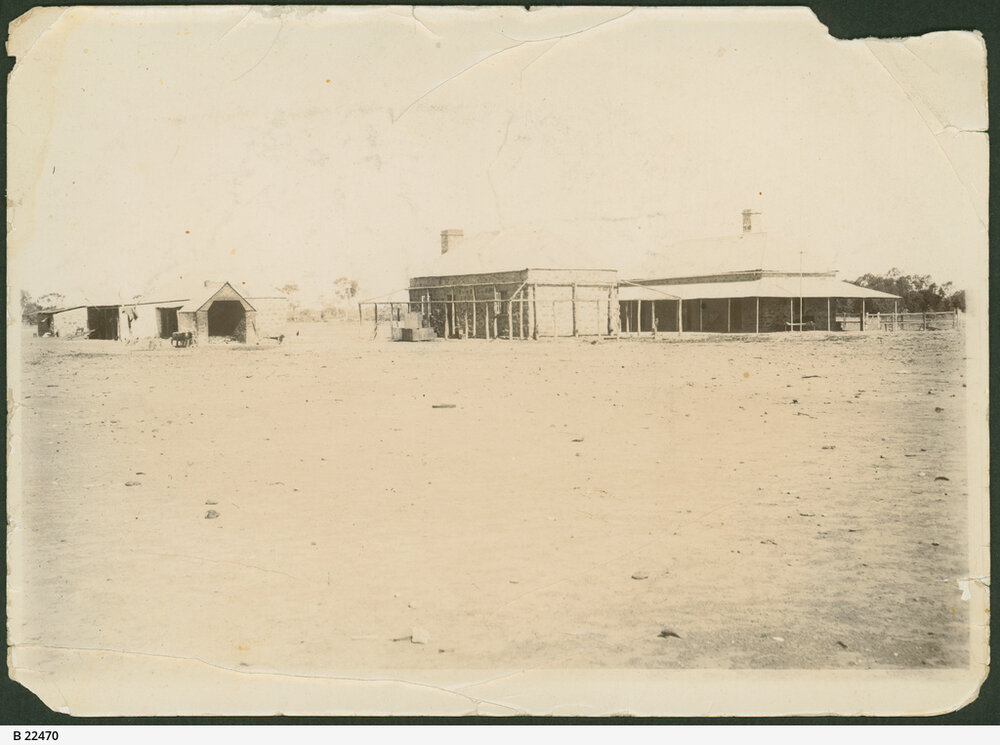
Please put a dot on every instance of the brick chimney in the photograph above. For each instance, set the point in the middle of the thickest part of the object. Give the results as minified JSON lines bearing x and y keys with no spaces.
{"x":748,"y":221}
{"x":449,"y":239}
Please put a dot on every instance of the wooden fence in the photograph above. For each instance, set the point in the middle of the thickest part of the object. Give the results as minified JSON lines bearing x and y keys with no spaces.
{"x":930,"y":321}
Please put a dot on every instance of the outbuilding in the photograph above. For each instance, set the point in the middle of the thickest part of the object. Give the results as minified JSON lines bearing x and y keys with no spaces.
{"x":207,"y":309}
{"x":508,"y":285}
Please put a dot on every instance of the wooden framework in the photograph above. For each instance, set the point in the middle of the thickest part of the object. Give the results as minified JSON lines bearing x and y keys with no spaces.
{"x":520,"y":310}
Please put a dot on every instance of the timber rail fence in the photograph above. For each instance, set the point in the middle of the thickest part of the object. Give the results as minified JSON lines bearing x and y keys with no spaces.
{"x":929,"y":321}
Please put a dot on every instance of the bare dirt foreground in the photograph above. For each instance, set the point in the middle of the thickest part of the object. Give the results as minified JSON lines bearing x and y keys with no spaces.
{"x":788,"y":501}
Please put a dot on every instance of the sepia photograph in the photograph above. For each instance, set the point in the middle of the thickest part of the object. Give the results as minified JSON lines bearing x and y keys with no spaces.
{"x":496,"y":361}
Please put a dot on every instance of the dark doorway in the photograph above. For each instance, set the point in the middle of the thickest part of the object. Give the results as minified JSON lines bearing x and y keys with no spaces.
{"x":103,"y":322}
{"x":227,"y":318}
{"x":167,"y":320}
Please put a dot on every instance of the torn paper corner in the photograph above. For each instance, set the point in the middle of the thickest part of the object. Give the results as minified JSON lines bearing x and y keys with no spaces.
{"x":943,"y":74}
{"x":41,"y":686}
{"x":25,"y":30}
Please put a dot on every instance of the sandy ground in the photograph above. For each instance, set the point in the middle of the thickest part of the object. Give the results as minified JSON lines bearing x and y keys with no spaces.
{"x":784,"y":501}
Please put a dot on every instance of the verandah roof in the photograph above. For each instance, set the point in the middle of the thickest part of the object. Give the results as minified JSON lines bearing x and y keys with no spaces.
{"x":784,"y":287}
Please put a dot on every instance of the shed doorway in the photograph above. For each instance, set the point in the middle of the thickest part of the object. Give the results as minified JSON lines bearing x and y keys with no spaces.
{"x":167,"y":320}
{"x":103,"y":322}
{"x":227,"y":318}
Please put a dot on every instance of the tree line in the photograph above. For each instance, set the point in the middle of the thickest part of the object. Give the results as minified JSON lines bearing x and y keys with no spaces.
{"x":919,"y":293}
{"x":337,"y":303}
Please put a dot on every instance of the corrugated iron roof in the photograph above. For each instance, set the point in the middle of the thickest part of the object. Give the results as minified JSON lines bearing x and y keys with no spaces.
{"x":209,"y":292}
{"x":513,"y":250}
{"x":723,"y":254}
{"x":181,"y":290}
{"x":786,"y":286}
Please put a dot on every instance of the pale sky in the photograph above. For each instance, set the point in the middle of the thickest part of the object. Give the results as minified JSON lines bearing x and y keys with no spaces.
{"x":307,"y":144}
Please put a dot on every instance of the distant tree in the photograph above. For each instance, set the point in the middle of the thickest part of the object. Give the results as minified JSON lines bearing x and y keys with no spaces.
{"x":339,"y":303}
{"x":919,"y":292}
{"x":29,"y":309}
{"x":51,"y":300}
{"x":291,"y":290}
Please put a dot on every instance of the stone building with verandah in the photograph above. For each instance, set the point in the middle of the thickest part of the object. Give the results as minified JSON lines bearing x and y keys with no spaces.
{"x":736,"y":284}
{"x":520,"y":285}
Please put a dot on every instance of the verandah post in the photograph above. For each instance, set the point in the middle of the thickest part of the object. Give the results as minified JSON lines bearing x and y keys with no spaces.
{"x":611,"y":297}
{"x":574,"y":310}
{"x":496,"y":313}
{"x":534,"y":314}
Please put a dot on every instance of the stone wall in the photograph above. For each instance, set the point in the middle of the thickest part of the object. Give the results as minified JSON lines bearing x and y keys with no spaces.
{"x":69,"y":322}
{"x":271,"y":318}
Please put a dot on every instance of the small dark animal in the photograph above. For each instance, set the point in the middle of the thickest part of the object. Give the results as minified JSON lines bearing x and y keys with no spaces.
{"x":182,"y":338}
{"x":280,"y":338}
